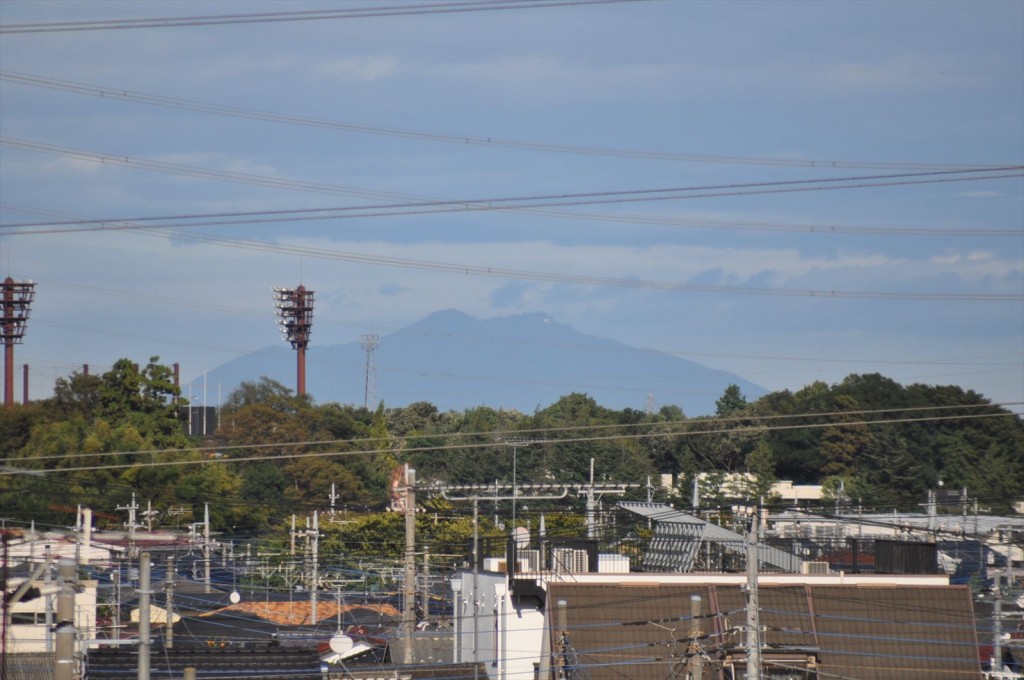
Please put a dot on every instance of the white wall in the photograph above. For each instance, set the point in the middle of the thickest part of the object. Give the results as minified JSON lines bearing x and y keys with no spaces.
{"x":508,"y":637}
{"x":23,"y":639}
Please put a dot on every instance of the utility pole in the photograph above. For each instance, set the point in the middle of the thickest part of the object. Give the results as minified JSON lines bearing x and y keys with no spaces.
{"x":696,"y":633}
{"x":997,"y":609}
{"x":64,"y":668}
{"x":515,"y":443}
{"x":206,"y":546}
{"x":426,"y":583}
{"x":131,"y":524}
{"x":144,"y":593}
{"x":169,"y":628}
{"x":409,"y":613}
{"x":315,"y":576}
{"x":594,"y":492}
{"x":49,"y":602}
{"x":750,"y":516}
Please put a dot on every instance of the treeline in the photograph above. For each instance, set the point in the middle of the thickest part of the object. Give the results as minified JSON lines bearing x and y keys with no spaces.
{"x":872,"y":441}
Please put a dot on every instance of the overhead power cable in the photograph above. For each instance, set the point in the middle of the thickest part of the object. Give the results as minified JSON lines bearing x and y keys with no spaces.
{"x":460,"y":139}
{"x":500,"y":438}
{"x":505,"y":203}
{"x":553,"y":277}
{"x":577,"y":279}
{"x":756,"y":429}
{"x":317,"y":187}
{"x":372,"y":11}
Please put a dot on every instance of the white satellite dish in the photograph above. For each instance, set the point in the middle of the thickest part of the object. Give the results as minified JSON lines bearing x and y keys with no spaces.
{"x":235,"y":597}
{"x":522,"y":537}
{"x":341,"y":643}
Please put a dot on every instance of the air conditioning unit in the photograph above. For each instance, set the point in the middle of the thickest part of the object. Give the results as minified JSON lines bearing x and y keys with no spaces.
{"x":569,"y":561}
{"x":528,"y":560}
{"x":808,"y":568}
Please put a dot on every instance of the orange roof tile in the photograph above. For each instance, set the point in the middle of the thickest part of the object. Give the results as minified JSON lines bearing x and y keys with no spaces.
{"x":300,"y":613}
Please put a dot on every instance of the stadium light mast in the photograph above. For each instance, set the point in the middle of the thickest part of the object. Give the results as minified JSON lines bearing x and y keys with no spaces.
{"x":17,"y":301}
{"x":294,"y":310}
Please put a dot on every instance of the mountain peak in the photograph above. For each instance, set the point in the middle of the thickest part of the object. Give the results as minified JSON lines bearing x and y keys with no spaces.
{"x":518,"y":361}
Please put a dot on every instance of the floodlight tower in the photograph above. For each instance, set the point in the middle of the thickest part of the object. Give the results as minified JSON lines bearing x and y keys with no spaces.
{"x":294,"y":309}
{"x":17,"y":300}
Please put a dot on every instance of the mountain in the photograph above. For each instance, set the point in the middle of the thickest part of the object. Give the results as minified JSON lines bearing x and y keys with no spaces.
{"x":522,"y":362}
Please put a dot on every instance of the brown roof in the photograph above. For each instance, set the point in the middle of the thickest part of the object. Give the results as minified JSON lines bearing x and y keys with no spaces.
{"x":868,"y":633}
{"x":301,"y":613}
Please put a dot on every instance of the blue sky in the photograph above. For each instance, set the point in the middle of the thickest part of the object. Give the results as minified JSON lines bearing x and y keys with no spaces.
{"x":922,"y":282}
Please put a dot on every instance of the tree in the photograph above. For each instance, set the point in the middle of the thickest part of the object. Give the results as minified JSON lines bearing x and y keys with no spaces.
{"x":761,"y":465}
{"x":843,"y":441}
{"x":264,"y":391}
{"x":731,"y":401}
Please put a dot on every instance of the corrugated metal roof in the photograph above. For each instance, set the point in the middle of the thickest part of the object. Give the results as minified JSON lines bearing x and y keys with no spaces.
{"x":267,"y":663}
{"x":867,"y":633}
{"x":686,"y":543}
{"x":28,"y":666}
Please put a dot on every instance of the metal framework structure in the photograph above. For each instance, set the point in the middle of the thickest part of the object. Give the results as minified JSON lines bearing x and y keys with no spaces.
{"x":678,"y":537}
{"x":17,"y":302}
{"x":371,"y":342}
{"x":294,"y":310}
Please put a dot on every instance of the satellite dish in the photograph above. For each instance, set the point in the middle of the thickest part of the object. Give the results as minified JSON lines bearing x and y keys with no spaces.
{"x":341,"y":643}
{"x":235,"y":597}
{"x":522,"y":537}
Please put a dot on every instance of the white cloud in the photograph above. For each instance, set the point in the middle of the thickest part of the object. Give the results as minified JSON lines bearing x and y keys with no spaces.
{"x":360,"y":69}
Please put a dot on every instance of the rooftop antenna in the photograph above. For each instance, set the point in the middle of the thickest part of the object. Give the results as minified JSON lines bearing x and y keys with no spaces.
{"x":294,"y":310}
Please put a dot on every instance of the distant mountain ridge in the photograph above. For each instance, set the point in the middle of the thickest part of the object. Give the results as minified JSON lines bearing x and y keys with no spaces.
{"x":522,"y":362}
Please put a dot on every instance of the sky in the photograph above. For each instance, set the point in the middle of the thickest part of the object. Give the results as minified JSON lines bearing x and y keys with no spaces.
{"x":790,"y":191}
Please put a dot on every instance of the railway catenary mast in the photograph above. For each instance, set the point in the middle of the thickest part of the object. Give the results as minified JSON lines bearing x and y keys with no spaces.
{"x":17,"y":301}
{"x":294,"y":310}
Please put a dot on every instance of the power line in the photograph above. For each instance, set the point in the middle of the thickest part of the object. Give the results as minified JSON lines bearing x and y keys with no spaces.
{"x":552,"y":277}
{"x":284,"y":183}
{"x":374,"y":11}
{"x":529,"y":201}
{"x":477,"y":445}
{"x":547,"y":435}
{"x":460,"y":139}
